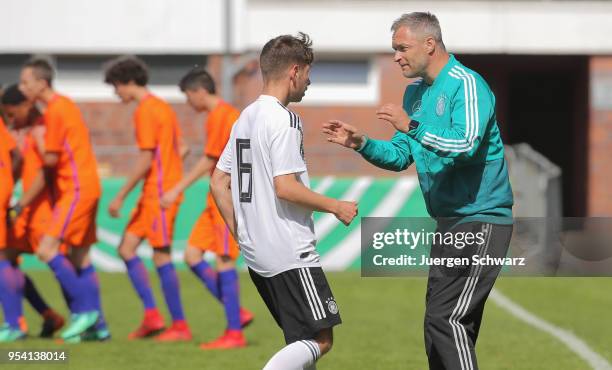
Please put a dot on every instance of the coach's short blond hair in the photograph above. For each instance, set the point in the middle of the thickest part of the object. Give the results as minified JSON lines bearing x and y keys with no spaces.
{"x":422,"y":23}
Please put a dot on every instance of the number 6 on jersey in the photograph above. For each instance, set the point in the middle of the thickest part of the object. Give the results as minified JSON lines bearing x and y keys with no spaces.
{"x":245,"y":169}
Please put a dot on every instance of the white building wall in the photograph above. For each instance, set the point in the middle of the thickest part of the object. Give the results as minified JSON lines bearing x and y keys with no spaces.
{"x":517,"y":27}
{"x":198,"y":26}
{"x":112,"y":26}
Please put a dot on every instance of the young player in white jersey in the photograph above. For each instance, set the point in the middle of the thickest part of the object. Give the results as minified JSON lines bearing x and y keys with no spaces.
{"x":261,"y":186}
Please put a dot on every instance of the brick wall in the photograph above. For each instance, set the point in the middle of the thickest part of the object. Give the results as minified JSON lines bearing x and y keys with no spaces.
{"x":113,"y":134}
{"x":600,"y":138}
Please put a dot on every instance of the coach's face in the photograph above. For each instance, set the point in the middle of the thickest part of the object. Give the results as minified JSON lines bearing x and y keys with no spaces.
{"x":411,"y":52}
{"x":30,"y":85}
{"x":300,"y":77}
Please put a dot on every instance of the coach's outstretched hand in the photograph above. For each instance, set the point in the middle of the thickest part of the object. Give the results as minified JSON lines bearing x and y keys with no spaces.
{"x":343,"y":134}
{"x":395,"y":115}
{"x":346,"y":211}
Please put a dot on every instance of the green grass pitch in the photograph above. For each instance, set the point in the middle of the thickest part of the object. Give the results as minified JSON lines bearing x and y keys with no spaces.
{"x":382,"y":326}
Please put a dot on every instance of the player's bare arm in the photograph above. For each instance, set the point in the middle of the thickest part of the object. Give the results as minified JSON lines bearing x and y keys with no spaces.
{"x":220,"y":186}
{"x":16,"y":162}
{"x":204,"y":165}
{"x":183,"y":148}
{"x":143,"y":165}
{"x":38,"y":134}
{"x":50,"y":160}
{"x":288,"y":188}
{"x":37,"y":187}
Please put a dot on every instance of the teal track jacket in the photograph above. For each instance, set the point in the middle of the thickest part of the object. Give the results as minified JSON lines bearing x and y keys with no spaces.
{"x":456,"y":147}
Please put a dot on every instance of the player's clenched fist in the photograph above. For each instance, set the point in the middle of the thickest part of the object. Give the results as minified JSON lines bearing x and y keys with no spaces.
{"x":343,"y":134}
{"x":169,"y":198}
{"x":115,"y":207}
{"x":346,"y":211}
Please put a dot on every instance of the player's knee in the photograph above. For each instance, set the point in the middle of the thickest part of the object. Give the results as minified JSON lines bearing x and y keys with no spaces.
{"x":80,"y":257}
{"x":325,"y":339}
{"x":47,"y":249}
{"x":44,"y":254}
{"x":225,"y":263}
{"x":162,"y":256}
{"x":192,"y":256}
{"x":125,"y":253}
{"x":128,"y":246}
{"x":325,"y":346}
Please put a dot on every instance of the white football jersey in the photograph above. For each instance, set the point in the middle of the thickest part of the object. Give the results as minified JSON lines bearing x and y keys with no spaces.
{"x":267,"y":141}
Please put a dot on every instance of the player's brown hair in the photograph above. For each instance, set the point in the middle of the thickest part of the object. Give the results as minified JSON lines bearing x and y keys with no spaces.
{"x":283,"y":51}
{"x":197,"y":77}
{"x":12,"y":96}
{"x":126,"y":69}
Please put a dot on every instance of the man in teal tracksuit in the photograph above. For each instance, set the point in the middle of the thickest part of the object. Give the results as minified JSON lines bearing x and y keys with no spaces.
{"x":447,"y":128}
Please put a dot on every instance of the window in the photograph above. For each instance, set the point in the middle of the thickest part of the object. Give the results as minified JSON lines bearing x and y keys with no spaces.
{"x":343,"y":82}
{"x":81,"y":77}
{"x":10,"y":67}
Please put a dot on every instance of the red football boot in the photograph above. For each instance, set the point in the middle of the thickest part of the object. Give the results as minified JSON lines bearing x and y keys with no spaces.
{"x":178,"y":332}
{"x":23,"y":324}
{"x":231,"y":339}
{"x":246,"y":317}
{"x":152,"y":324}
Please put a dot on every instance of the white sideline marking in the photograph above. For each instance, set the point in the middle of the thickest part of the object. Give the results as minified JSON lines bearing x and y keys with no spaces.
{"x":341,"y":257}
{"x":575,"y":344}
{"x":108,"y":237}
{"x":327,"y":222}
{"x":324,"y":184}
{"x":105,"y":262}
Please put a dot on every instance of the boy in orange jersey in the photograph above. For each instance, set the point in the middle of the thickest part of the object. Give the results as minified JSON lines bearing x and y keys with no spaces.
{"x":210,"y":232}
{"x":25,"y":231}
{"x":71,"y":172}
{"x":10,"y":283}
{"x":160,"y":166}
{"x":8,"y":151}
{"x":9,"y":161}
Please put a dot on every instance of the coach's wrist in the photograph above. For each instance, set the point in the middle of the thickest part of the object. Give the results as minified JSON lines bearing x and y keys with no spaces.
{"x":362,"y":144}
